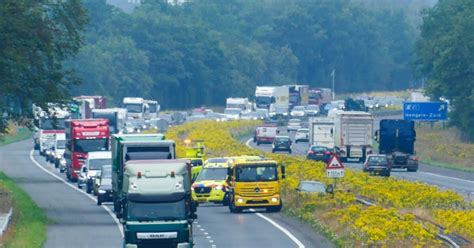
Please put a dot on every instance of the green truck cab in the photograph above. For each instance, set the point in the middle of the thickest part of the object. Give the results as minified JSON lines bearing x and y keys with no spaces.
{"x":127,"y":147}
{"x":158,"y":210}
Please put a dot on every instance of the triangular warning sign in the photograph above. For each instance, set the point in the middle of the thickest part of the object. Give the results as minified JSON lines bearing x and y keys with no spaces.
{"x":334,"y":163}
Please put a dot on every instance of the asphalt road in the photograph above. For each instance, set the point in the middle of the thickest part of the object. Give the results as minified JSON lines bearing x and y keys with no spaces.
{"x":76,"y":220}
{"x":459,"y":181}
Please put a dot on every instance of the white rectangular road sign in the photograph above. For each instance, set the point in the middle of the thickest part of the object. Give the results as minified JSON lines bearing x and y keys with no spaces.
{"x":335,"y":173}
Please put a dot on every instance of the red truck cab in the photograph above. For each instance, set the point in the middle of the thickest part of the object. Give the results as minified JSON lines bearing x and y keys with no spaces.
{"x":84,"y":136}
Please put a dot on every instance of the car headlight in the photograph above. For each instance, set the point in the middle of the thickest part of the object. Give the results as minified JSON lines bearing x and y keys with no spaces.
{"x":240,"y":200}
{"x":285,"y":113}
{"x":101,"y":191}
{"x":58,"y":156}
{"x":274,"y":199}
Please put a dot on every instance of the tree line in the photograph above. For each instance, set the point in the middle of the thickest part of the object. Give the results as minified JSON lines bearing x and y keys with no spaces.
{"x":200,"y":52}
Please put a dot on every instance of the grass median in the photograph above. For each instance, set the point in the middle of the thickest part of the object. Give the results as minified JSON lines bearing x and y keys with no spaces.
{"x":444,"y":147}
{"x":28,"y":226}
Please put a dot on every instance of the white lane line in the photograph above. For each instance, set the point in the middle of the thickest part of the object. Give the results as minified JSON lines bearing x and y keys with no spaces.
{"x":286,"y":232}
{"x":248,"y":143}
{"x":119,"y":225}
{"x":452,"y":178}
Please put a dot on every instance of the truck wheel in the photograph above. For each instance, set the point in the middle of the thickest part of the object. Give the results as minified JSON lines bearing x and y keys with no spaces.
{"x":386,"y":174}
{"x":99,"y":202}
{"x":258,"y":143}
{"x":273,"y":150}
{"x":88,"y":190}
{"x":274,"y":209}
{"x":289,"y":151}
{"x":234,"y":209}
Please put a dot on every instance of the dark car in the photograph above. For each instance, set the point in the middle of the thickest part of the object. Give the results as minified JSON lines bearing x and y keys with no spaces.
{"x":319,"y":153}
{"x":281,"y":143}
{"x":377,"y":164}
{"x":104,"y":190}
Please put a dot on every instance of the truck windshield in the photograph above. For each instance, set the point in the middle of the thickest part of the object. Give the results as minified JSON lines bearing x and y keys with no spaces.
{"x":257,"y":173}
{"x":263,"y":99}
{"x":145,"y":211}
{"x":91,"y":145}
{"x":212,"y":174}
{"x":96,"y":164}
{"x":61,"y":144}
{"x":134,"y":107}
{"x":153,"y":107}
{"x":52,"y":124}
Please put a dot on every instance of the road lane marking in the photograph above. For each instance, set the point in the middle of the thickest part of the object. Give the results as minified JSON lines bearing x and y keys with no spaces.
{"x":248,"y":143}
{"x":119,"y":225}
{"x":453,"y":178}
{"x":286,"y":232}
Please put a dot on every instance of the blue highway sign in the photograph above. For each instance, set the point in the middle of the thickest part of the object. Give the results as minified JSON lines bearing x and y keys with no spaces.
{"x":425,"y":111}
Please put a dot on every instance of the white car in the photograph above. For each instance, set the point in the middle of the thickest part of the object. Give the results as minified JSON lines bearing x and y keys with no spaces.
{"x":93,"y":165}
{"x":302,"y":134}
{"x":293,"y":125}
{"x":298,"y":111}
{"x":232,"y":113}
{"x":312,"y":110}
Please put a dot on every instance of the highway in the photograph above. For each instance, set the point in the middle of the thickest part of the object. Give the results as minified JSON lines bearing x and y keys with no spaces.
{"x":76,"y":220}
{"x":459,"y":181}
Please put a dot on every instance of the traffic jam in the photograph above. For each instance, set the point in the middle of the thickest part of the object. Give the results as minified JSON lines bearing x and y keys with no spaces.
{"x":122,"y":157}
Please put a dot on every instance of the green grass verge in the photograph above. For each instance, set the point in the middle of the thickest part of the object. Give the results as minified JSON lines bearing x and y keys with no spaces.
{"x":29,"y":221}
{"x":22,"y":133}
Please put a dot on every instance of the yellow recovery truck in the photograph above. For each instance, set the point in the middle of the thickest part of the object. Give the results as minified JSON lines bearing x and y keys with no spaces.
{"x":254,"y":182}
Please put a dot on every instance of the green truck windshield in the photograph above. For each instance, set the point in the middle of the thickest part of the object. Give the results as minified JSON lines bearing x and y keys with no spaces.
{"x":256,"y":173}
{"x":146,"y":211}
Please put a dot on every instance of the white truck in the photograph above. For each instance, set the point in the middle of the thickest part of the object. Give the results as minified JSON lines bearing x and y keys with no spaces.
{"x":321,"y":132}
{"x":135,"y":107}
{"x":264,"y":97}
{"x":152,"y":109}
{"x":282,"y":96}
{"x":353,"y":134}
{"x":238,"y":103}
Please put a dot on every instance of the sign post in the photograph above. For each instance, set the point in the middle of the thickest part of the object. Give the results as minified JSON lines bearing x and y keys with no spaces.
{"x":334,"y":169}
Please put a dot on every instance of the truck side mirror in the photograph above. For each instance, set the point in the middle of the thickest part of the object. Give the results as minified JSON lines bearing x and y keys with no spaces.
{"x":376,"y":136}
{"x":283,"y":172}
{"x":229,"y":172}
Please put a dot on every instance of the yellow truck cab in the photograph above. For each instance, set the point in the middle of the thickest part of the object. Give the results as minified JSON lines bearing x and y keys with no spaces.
{"x":211,"y":184}
{"x":254,"y":182}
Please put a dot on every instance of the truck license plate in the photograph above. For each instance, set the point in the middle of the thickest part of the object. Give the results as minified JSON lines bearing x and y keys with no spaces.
{"x":159,"y":235}
{"x":356,"y":152}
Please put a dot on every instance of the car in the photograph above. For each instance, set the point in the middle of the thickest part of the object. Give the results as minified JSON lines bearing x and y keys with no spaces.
{"x":281,"y":143}
{"x":312,"y":110}
{"x":278,"y":111}
{"x":293,"y":125}
{"x":314,"y":187}
{"x":298,"y":111}
{"x":232,"y":113}
{"x":261,"y":114}
{"x":377,"y":164}
{"x":104,"y":189}
{"x":59,"y":151}
{"x":319,"y":153}
{"x":302,"y":134}
{"x":94,"y":163}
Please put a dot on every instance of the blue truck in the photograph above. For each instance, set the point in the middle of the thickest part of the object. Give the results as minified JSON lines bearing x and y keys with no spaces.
{"x":397,"y":140}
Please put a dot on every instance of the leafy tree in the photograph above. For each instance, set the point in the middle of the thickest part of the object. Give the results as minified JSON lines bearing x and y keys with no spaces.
{"x":35,"y":38}
{"x":446,"y":58}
